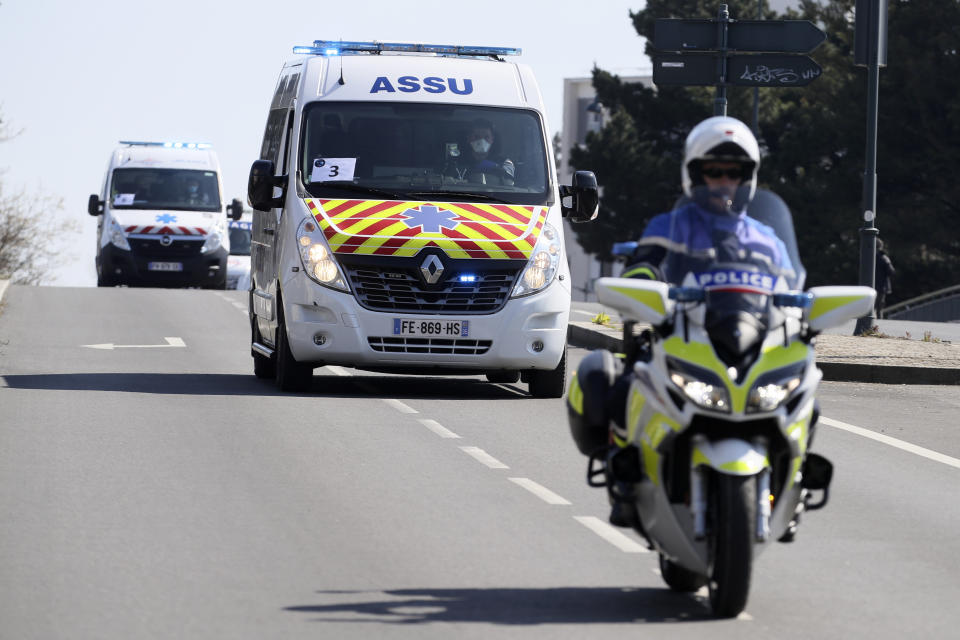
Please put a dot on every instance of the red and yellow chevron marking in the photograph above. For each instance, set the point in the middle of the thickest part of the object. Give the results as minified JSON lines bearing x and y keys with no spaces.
{"x":461,"y":230}
{"x":160,"y":229}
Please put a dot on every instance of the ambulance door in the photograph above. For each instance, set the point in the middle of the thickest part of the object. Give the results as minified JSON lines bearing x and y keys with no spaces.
{"x":265,"y":241}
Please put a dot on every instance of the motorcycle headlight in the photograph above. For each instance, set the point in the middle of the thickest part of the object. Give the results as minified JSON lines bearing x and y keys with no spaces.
{"x":773,"y":389}
{"x":703,"y":388}
{"x":117,"y":236}
{"x":543,"y":263}
{"x":318,"y":261}
{"x":213,"y":242}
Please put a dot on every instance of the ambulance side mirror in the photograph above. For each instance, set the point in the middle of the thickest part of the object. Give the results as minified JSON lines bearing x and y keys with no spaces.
{"x":94,"y":205}
{"x":235,"y":209}
{"x":584,"y":197}
{"x":260,"y":186}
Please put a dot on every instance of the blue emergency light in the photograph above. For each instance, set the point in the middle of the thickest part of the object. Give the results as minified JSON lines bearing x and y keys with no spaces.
{"x":344,"y":47}
{"x":468,"y":277}
{"x":168,"y":145}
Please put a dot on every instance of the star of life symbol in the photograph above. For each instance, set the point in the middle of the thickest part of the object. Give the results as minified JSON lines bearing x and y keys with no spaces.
{"x":166,"y":218}
{"x":431,"y":218}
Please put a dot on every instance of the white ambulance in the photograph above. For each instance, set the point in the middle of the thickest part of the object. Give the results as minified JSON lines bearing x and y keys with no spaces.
{"x":407,"y":218}
{"x":161,"y":217}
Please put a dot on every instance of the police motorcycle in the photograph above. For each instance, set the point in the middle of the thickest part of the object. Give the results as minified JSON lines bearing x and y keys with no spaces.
{"x":701,"y":429}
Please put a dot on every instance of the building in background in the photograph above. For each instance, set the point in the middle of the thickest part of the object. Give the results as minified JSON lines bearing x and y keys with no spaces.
{"x":583,"y":113}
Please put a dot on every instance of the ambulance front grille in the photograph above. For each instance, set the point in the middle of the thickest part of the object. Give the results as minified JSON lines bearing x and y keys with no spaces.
{"x":401,"y":290}
{"x":464,"y":346}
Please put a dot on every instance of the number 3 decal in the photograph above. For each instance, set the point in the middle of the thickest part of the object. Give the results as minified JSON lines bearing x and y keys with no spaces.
{"x":332,"y":169}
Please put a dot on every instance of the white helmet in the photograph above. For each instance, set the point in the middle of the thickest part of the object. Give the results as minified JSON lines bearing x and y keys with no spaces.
{"x":721,"y":138}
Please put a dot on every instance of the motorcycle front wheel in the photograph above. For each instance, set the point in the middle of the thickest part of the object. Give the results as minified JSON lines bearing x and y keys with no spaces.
{"x":734,"y":524}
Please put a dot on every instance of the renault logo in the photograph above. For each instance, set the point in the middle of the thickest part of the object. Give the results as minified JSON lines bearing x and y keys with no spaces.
{"x":166,"y":241}
{"x":431,"y":269}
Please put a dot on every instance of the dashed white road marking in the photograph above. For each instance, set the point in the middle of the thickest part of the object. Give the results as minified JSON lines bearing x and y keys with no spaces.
{"x":399,"y":406}
{"x":339,"y":371}
{"x":241,"y":306}
{"x":611,"y":535}
{"x":893,"y":442}
{"x":438,"y":428}
{"x":540,"y":491}
{"x":483,"y":457}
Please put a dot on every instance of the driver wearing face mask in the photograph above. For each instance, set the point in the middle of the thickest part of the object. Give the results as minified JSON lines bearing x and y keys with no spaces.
{"x":482,"y":158}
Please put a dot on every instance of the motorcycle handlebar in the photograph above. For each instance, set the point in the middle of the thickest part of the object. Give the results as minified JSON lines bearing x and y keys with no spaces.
{"x":797,"y":299}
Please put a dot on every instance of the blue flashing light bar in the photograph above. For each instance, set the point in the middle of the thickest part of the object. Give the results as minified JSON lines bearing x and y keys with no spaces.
{"x":337,"y":47}
{"x":168,"y":145}
{"x":468,"y":277}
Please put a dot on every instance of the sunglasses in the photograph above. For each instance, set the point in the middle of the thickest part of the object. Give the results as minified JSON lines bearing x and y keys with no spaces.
{"x":734,"y":173}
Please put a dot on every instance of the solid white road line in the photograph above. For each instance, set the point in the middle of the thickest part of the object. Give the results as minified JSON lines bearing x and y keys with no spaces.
{"x":540,"y":491}
{"x":611,"y":535}
{"x":438,"y":428}
{"x":399,"y":406}
{"x":483,"y":457}
{"x":339,"y":371}
{"x":893,"y":442}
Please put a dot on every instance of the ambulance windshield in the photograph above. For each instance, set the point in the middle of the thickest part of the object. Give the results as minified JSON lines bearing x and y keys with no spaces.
{"x":180,"y":189}
{"x":424,"y":151}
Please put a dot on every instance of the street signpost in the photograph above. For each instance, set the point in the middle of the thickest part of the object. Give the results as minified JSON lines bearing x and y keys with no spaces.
{"x":723,"y":52}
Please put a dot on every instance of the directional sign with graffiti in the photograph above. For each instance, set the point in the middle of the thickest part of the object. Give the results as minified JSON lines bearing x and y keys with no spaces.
{"x":725,"y":52}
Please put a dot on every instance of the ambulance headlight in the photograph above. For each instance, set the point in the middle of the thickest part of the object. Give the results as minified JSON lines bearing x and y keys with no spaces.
{"x":212,"y":243}
{"x":318,"y":261}
{"x":543,"y":264}
{"x":117,"y":236}
{"x":704,"y":388}
{"x":773,"y":389}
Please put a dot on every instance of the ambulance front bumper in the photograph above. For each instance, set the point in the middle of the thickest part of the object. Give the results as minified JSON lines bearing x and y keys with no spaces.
{"x":330,"y":327}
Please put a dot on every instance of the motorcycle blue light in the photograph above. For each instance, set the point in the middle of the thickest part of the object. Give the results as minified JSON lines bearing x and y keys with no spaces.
{"x":686,"y":294}
{"x":801,"y":300}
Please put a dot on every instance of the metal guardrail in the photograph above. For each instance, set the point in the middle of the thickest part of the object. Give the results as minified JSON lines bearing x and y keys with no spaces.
{"x":940,"y":305}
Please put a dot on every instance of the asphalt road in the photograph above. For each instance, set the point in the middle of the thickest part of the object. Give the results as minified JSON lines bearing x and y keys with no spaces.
{"x":151,"y":487}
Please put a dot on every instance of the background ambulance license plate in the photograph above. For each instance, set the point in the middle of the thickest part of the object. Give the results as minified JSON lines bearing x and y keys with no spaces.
{"x":431,"y":328}
{"x":164,"y":266}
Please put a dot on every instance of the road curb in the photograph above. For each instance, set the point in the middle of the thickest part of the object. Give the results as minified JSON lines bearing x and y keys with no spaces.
{"x":585,"y":338}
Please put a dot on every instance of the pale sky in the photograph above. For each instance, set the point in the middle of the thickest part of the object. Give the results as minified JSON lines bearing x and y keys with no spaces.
{"x":77,"y":77}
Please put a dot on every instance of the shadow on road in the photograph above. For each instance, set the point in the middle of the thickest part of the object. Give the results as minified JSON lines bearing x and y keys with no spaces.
{"x":410,"y":387}
{"x":564,"y":605}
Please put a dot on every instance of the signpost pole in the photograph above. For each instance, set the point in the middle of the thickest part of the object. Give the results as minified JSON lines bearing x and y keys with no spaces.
{"x":723,"y":23}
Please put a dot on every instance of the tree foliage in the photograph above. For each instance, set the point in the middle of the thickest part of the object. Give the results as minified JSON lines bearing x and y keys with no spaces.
{"x":813,"y":140}
{"x":30,"y":242}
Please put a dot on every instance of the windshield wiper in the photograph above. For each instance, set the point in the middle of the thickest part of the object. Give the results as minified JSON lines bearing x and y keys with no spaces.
{"x":346,"y":185}
{"x":462,"y":194}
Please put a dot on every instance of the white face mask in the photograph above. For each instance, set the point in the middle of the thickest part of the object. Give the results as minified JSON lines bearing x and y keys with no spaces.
{"x":481,"y":145}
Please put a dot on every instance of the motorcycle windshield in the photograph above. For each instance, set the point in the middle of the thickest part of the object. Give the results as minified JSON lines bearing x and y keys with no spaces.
{"x":739,"y":254}
{"x":738,"y":262}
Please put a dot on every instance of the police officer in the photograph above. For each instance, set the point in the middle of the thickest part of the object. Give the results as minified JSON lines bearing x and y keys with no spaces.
{"x":719,"y":176}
